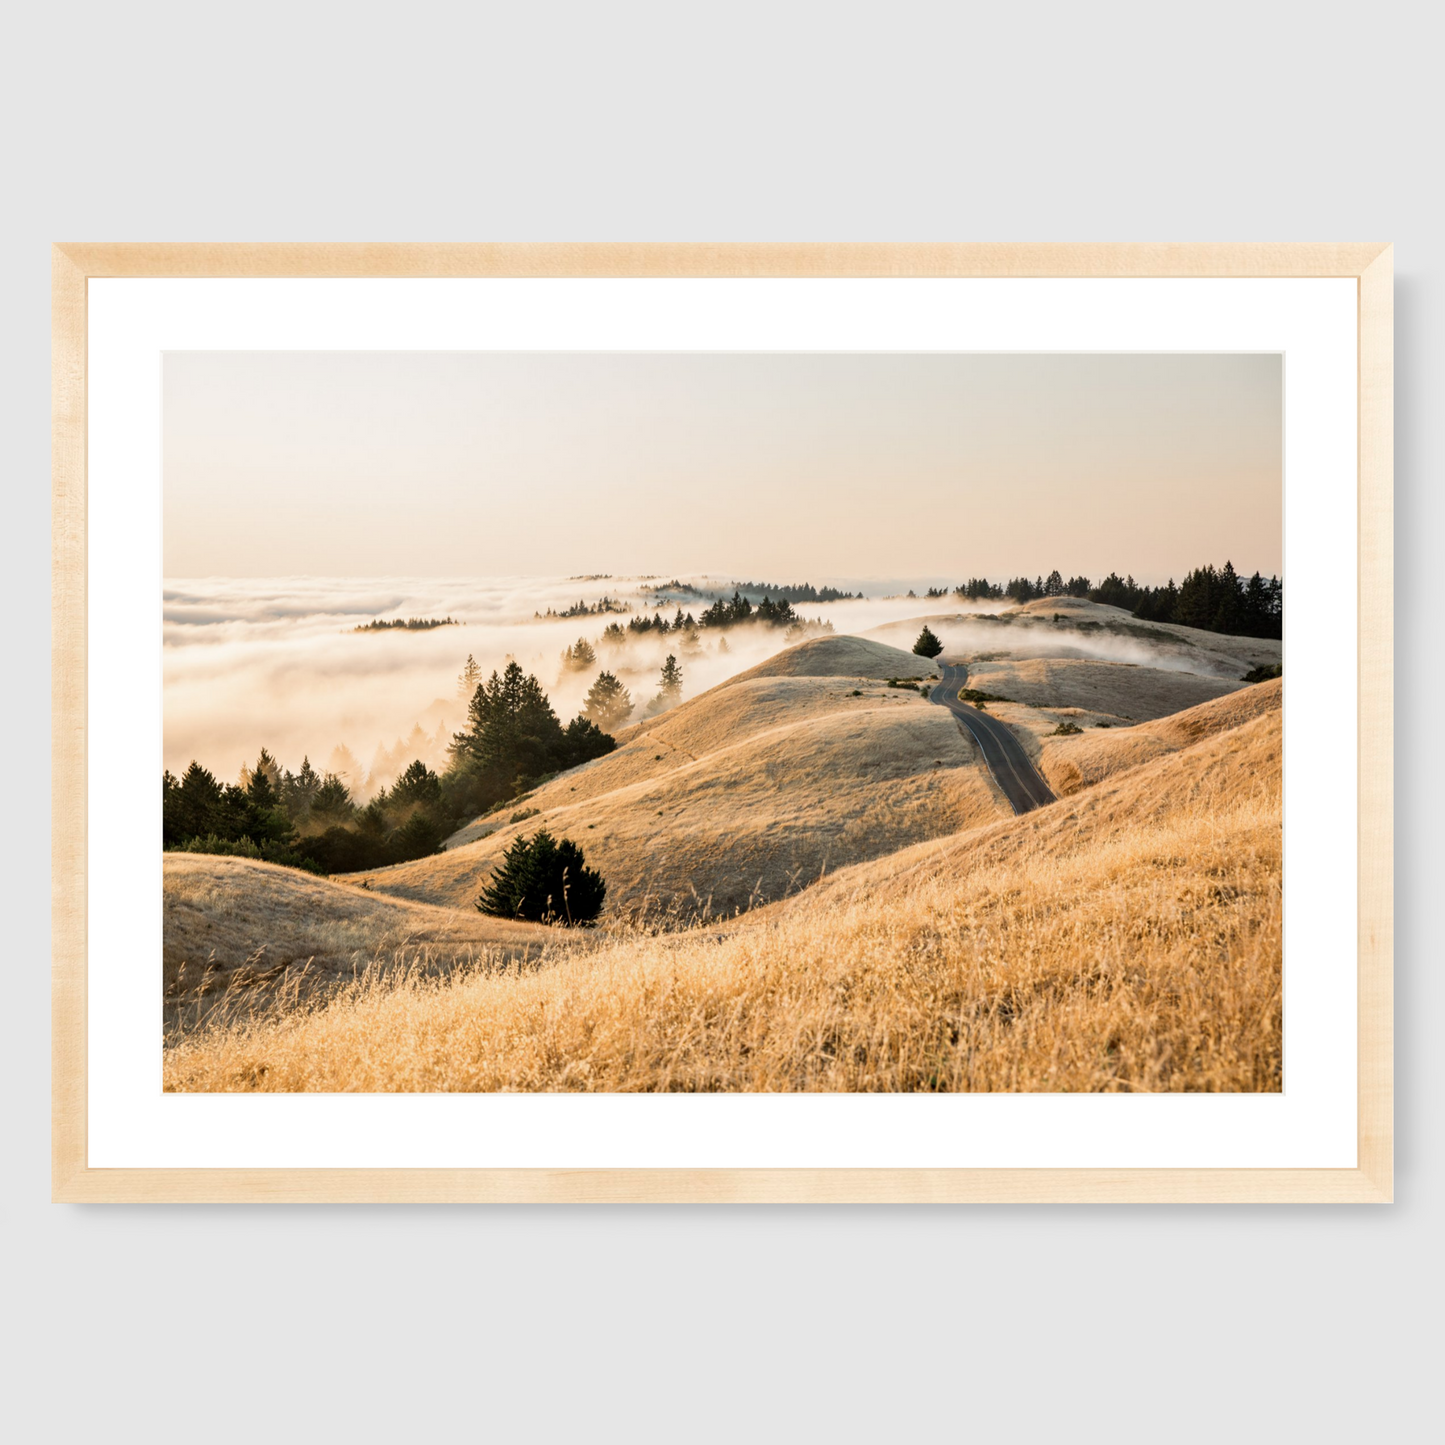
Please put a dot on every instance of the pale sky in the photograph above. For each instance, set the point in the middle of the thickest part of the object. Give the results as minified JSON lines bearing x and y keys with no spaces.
{"x":781,"y":467}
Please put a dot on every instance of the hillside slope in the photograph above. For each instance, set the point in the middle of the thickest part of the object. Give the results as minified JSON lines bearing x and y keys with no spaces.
{"x":739,"y":796}
{"x":1119,"y":690}
{"x":1075,"y":627}
{"x":1071,"y":763}
{"x":1125,"y":939}
{"x":236,"y":924}
{"x":1237,"y":768}
{"x":1221,"y":646}
{"x":846,"y":657}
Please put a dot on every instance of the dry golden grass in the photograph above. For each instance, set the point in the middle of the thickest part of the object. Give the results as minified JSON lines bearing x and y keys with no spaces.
{"x":1071,"y":763}
{"x":847,"y":656}
{"x":1115,"y":690}
{"x":1128,"y":938}
{"x":233,"y":927}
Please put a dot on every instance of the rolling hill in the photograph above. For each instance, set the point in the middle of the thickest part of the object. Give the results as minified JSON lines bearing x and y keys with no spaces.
{"x":238,"y":927}
{"x":1071,"y":627}
{"x":745,"y":793}
{"x":1120,"y":691}
{"x":1124,"y":938}
{"x":1071,"y":763}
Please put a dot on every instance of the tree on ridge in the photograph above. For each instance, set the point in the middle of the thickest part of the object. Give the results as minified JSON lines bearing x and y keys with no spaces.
{"x":928,"y":644}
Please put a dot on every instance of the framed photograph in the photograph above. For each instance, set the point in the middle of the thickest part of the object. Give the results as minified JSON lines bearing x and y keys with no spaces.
{"x":722,"y":723}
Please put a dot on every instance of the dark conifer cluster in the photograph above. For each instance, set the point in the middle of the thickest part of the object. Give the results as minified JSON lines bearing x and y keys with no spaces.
{"x":1213,"y":600}
{"x":770,"y":612}
{"x":579,"y":656}
{"x":797,"y":592}
{"x":511,"y":741}
{"x":407,"y":624}
{"x":303,"y":820}
{"x":656,"y":622}
{"x":600,"y":608}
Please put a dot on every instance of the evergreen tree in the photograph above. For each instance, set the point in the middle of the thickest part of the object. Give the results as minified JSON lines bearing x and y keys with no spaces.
{"x":928,"y":644}
{"x":979,"y":589}
{"x":1199,"y":598}
{"x":1158,"y":604}
{"x":1054,"y":585}
{"x":608,"y":703}
{"x":727,"y":612}
{"x":419,"y":837}
{"x":1113,"y":591}
{"x":332,"y":803}
{"x":192,"y":807}
{"x":670,"y":688}
{"x":471,"y":675}
{"x":260,"y":783}
{"x":579,"y":656}
{"x":512,"y":732}
{"x":545,"y":880}
{"x":300,"y":791}
{"x":583,"y":740}
{"x":347,"y":766}
{"x":371,"y":821}
{"x":418,"y":787}
{"x":1228,"y":609}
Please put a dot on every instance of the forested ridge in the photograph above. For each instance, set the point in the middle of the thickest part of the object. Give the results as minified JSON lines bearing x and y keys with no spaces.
{"x":1211,"y":599}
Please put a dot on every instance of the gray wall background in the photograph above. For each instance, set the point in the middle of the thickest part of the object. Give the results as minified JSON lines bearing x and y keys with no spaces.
{"x":738,"y":122}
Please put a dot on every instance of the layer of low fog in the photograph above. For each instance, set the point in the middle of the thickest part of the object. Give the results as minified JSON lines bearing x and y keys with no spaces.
{"x":276,"y":663}
{"x":1028,"y":635}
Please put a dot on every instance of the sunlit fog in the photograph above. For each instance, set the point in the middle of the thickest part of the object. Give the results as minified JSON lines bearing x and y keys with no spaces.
{"x":277,"y":663}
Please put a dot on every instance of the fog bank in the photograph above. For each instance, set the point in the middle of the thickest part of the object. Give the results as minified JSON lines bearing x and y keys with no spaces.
{"x":275,"y":662}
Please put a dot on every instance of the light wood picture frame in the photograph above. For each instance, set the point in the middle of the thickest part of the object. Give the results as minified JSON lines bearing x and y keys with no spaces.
{"x":1370,"y":266}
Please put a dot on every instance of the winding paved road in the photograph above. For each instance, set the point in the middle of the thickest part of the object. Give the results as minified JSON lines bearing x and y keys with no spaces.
{"x":1007,"y":761}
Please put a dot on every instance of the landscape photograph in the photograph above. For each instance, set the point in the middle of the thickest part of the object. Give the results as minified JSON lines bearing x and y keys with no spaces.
{"x":755,"y":722}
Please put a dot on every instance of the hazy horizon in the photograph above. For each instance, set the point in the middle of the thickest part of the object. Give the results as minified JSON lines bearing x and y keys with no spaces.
{"x":277,"y":662}
{"x":842,"y":469}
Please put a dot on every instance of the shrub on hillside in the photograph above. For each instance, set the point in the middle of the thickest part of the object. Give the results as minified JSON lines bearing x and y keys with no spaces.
{"x":1264,"y":674}
{"x":544,"y":880}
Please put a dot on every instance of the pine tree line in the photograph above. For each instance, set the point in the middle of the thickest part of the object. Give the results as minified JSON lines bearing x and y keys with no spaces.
{"x":407,"y":624}
{"x":1213,"y":600}
{"x":798,"y":592}
{"x":303,"y":819}
{"x":600,"y":608}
